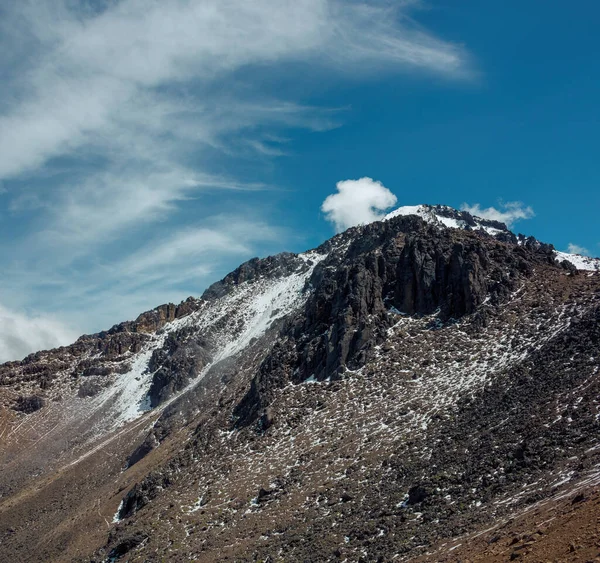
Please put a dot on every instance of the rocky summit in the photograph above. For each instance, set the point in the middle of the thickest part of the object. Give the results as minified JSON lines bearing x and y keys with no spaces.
{"x":422,"y":388}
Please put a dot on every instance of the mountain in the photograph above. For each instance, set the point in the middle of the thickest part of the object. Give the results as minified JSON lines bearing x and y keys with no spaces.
{"x":402,"y":391}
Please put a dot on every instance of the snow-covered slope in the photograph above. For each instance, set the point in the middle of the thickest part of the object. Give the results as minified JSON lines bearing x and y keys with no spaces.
{"x":232,"y":322}
{"x":579,"y":261}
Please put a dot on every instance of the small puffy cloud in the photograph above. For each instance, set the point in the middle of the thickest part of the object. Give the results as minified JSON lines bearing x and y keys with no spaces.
{"x":227,"y":235}
{"x":20,"y":334}
{"x":357,"y":202}
{"x":509,"y":212}
{"x":576,"y":249}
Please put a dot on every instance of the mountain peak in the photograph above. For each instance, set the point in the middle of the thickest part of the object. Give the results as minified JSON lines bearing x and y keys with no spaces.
{"x":446,"y":216}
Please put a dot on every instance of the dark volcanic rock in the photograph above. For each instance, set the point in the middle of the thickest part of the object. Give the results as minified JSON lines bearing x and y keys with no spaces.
{"x":399,"y":266}
{"x":180,"y":360}
{"x":89,"y":389}
{"x":279,"y":265}
{"x":144,"y":492}
{"x":127,"y":545}
{"x":29,"y":404}
{"x":417,"y":495}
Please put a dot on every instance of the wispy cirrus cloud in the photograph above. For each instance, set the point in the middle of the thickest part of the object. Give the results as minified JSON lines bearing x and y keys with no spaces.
{"x":95,"y":78}
{"x":22,"y":333}
{"x":573,"y":248}
{"x":508,"y":213}
{"x":117,"y":116}
{"x":221,"y":236}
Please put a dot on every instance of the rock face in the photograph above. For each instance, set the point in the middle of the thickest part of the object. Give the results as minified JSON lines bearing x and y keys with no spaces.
{"x":29,"y":404}
{"x":407,"y":382}
{"x":273,"y":266}
{"x":175,"y":364}
{"x":90,"y":355}
{"x":401,"y":265}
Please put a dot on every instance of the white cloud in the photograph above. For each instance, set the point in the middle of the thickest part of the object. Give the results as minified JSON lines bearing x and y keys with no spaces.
{"x":576,"y":249}
{"x":191,"y":247}
{"x":21,"y":334}
{"x":357,"y":202}
{"x":93,"y":75}
{"x":508,"y":213}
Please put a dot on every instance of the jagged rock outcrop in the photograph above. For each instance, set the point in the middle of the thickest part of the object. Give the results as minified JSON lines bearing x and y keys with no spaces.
{"x":273,"y":266}
{"x":180,"y":360}
{"x":95,"y":355}
{"x":402,"y":266}
{"x":29,"y":404}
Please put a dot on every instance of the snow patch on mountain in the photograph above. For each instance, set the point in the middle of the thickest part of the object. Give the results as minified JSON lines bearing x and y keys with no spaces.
{"x":445,"y":216}
{"x":126,"y":396}
{"x":260,"y":304}
{"x":426,"y":212}
{"x":579,"y":261}
{"x":232,"y":323}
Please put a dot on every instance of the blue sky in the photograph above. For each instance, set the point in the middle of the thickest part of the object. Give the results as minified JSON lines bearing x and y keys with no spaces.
{"x":147,"y":148}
